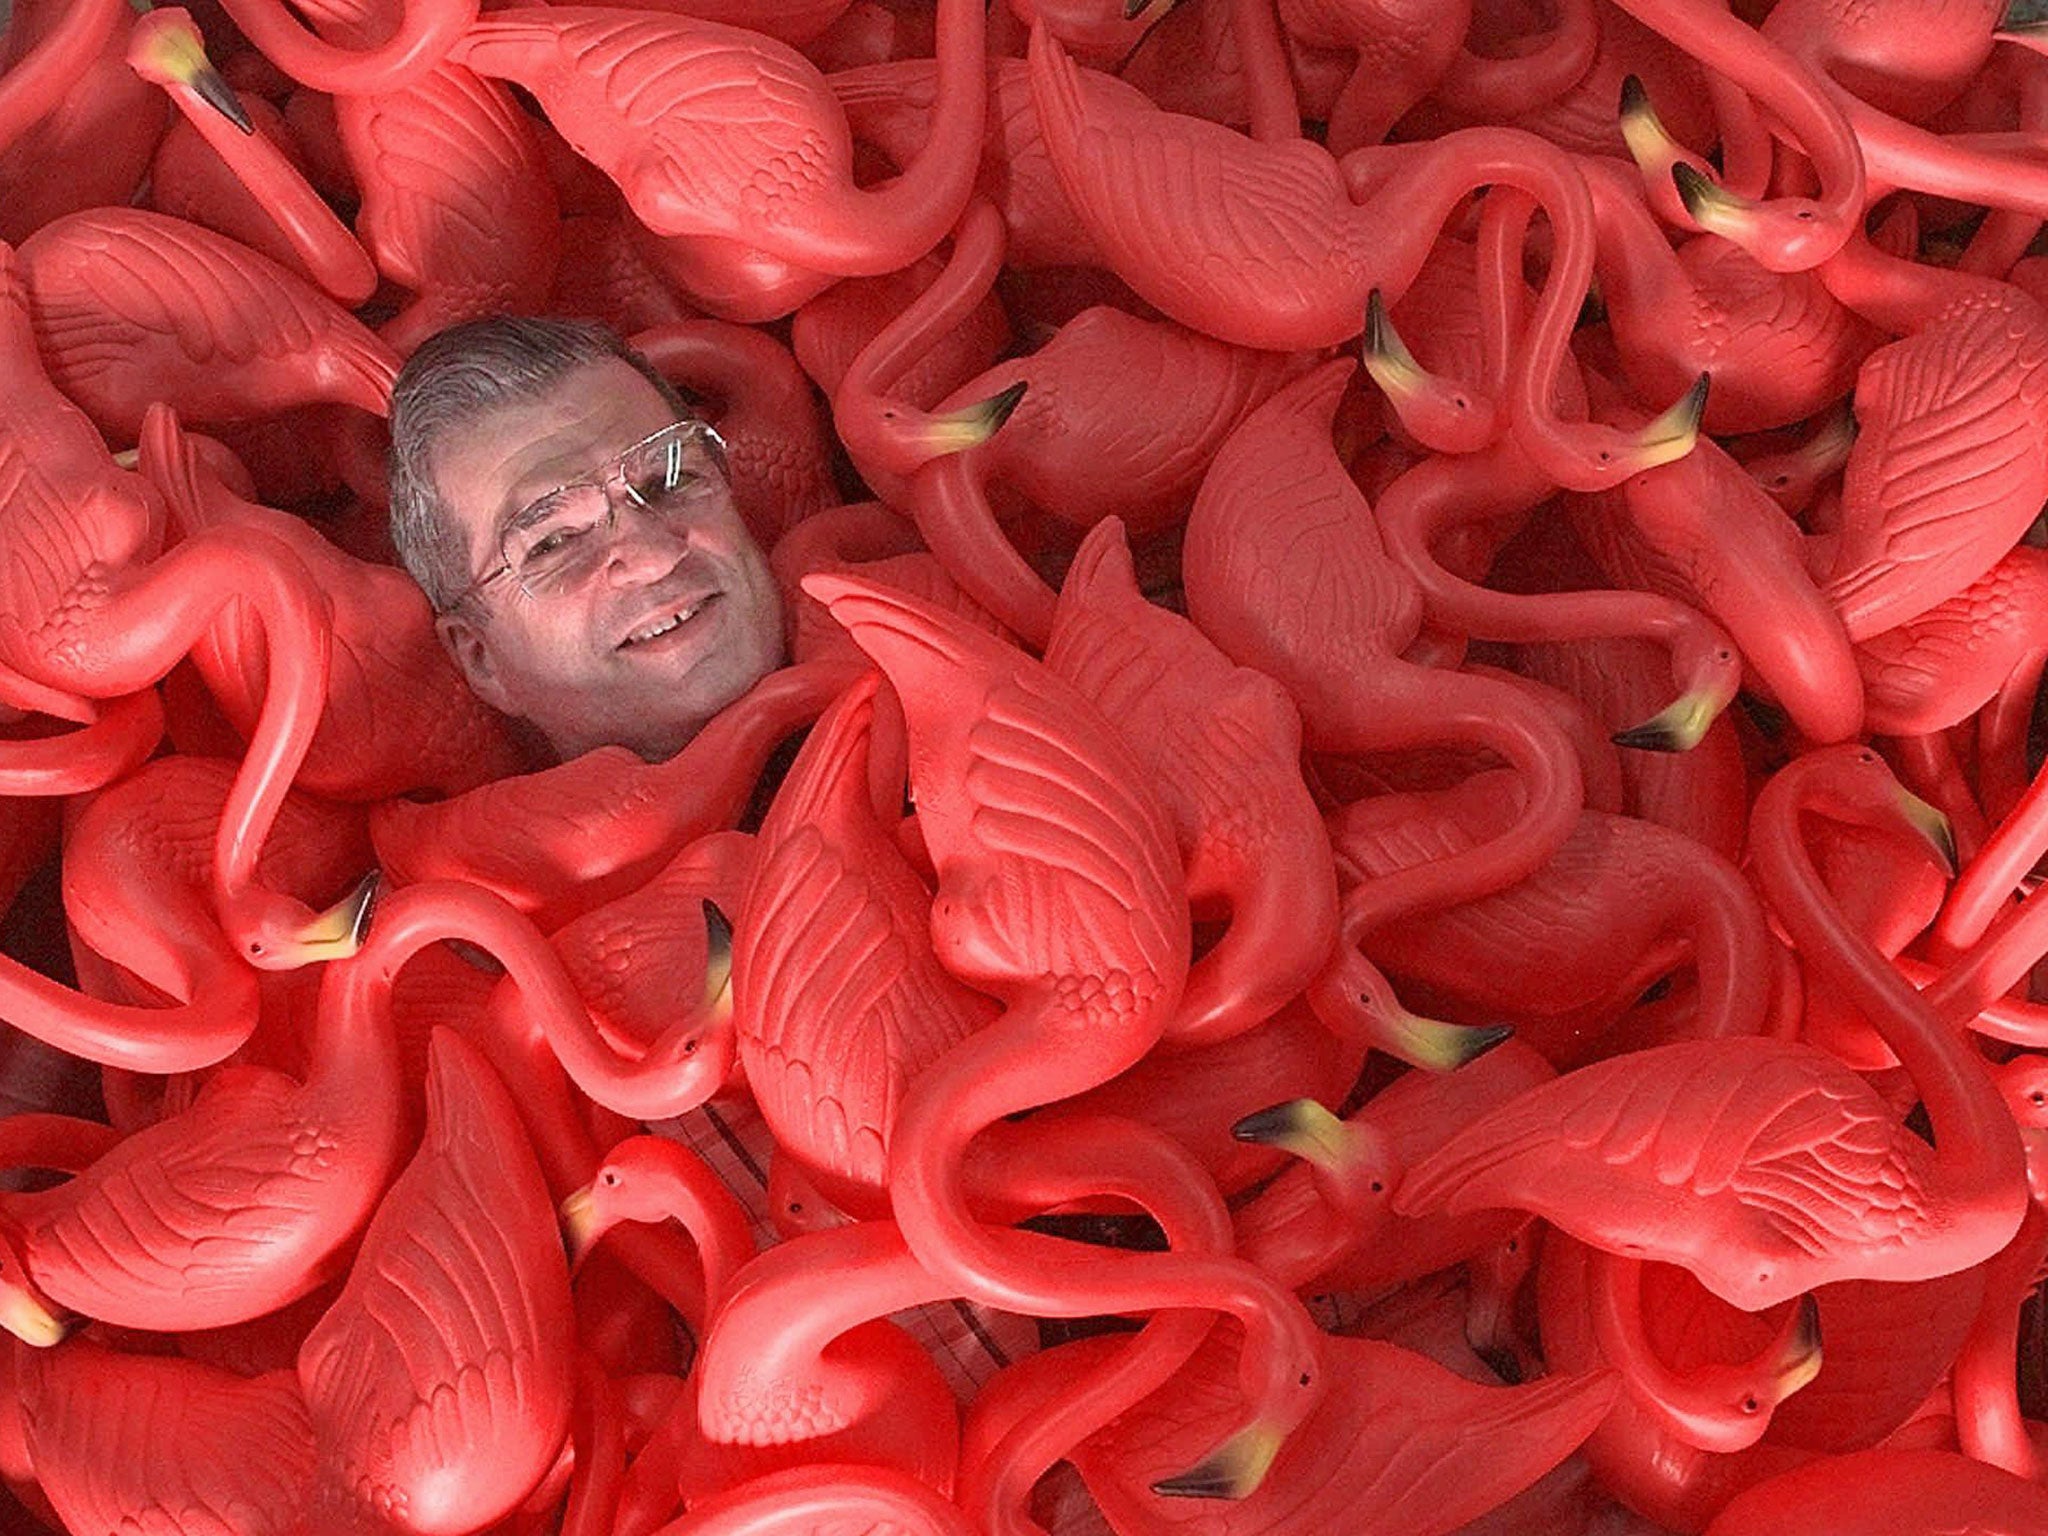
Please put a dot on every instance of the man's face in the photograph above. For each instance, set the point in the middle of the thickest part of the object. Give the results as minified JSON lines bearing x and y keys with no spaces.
{"x":566,"y":661}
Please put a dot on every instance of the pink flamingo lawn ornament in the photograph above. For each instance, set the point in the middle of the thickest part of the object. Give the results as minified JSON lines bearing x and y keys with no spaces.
{"x":397,"y":717}
{"x":1012,"y":772}
{"x":771,"y":171}
{"x":430,"y":1396}
{"x":165,"y":47}
{"x":1628,"y":900}
{"x":1883,"y":1207}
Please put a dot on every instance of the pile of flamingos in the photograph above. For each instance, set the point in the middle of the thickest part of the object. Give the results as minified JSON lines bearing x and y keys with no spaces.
{"x":1417,"y":623}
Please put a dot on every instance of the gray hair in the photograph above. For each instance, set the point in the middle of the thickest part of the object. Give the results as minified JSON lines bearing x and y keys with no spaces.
{"x":456,"y":377}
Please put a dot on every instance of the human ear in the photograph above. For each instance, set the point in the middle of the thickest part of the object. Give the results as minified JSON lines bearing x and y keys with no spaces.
{"x":466,"y":646}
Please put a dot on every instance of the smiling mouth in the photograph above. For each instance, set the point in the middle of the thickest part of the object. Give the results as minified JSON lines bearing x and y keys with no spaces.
{"x":668,"y":625}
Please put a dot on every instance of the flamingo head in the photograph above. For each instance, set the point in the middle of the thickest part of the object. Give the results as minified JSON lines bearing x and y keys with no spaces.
{"x":1705,"y":659}
{"x":1852,"y":784}
{"x":275,"y":933}
{"x":1443,"y":414}
{"x":1354,"y":1167}
{"x":1736,"y":1401}
{"x":1781,"y":234}
{"x":635,"y":1182}
{"x":165,"y":48}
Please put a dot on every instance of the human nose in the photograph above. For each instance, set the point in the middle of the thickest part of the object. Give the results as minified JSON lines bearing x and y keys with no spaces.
{"x":642,"y":547}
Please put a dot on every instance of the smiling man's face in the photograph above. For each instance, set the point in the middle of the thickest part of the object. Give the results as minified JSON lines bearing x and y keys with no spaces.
{"x":592,"y":664}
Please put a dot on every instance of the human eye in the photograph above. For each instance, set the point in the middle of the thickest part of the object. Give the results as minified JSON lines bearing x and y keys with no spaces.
{"x":548,"y":538}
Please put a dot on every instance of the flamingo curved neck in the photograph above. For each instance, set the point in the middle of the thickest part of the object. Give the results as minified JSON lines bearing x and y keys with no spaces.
{"x":1978,"y":1159}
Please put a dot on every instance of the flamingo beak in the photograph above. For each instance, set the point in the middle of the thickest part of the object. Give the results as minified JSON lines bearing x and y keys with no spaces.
{"x":1802,"y":1350}
{"x":29,"y":1320}
{"x":1233,"y":1470}
{"x":580,"y":1225}
{"x":1301,"y":1127}
{"x":717,"y":962}
{"x":1387,"y":358}
{"x":1678,"y":727}
{"x":173,"y":51}
{"x":1931,"y":827}
{"x":1671,"y":436}
{"x":1711,"y":206}
{"x":338,"y":932}
{"x":972,"y":425}
{"x":1649,"y":145}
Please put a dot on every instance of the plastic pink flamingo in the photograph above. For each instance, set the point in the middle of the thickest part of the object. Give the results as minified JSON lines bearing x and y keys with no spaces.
{"x":1402,"y":51}
{"x":1960,"y":391}
{"x":629,"y":962}
{"x":91,"y":613}
{"x":1221,"y":744}
{"x":1780,"y":347}
{"x":1288,"y":213}
{"x":828,"y":333}
{"x":1009,"y":767}
{"x":76,"y":127}
{"x":840,"y":1002}
{"x":246,"y":338}
{"x":1769,"y":1218}
{"x":136,"y":892}
{"x":775,"y":444}
{"x":164,"y":47}
{"x":771,"y":170}
{"x":398,"y":717}
{"x":1701,"y":1399}
{"x":252,"y":1191}
{"x":1627,"y":900}
{"x":1301,"y":589}
{"x":599,"y":825}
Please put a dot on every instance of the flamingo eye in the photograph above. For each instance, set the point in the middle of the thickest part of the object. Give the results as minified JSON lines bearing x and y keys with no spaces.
{"x":1749,"y":1405}
{"x":1377,"y":1186}
{"x":609,"y":1178}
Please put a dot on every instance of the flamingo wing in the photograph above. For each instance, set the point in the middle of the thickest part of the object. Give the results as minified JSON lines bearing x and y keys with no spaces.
{"x":439,"y":1382}
{"x":1053,"y":859}
{"x":157,"y":1444}
{"x":1249,"y":242}
{"x":1949,"y":468}
{"x":1755,"y":1164}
